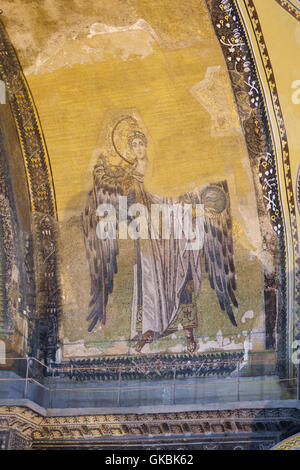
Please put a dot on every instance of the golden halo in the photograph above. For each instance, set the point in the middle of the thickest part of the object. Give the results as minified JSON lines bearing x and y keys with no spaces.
{"x":126,"y":118}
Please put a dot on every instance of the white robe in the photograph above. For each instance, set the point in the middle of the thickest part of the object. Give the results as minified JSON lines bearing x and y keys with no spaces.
{"x":164,"y":266}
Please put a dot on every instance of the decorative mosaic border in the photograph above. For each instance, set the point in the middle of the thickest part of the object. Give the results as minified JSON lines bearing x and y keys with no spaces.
{"x":277,"y":108}
{"x":17,"y":292}
{"x":44,"y":230}
{"x":291,"y":9}
{"x":154,"y":367}
{"x":9,"y":245}
{"x":298,"y":188}
{"x":285,"y":161}
{"x":252,"y":112}
{"x":254,"y":118}
{"x":41,"y":195}
{"x":36,"y":161}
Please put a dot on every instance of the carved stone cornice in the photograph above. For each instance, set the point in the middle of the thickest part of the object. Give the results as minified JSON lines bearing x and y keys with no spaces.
{"x":66,"y":431}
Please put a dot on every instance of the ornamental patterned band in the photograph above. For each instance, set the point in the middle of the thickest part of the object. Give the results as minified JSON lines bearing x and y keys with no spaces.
{"x":246,"y":84}
{"x":36,"y":161}
{"x":290,"y":8}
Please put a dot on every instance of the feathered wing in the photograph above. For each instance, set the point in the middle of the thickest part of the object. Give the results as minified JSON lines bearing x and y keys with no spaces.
{"x":92,"y":246}
{"x":101,"y":254}
{"x":218,"y":250}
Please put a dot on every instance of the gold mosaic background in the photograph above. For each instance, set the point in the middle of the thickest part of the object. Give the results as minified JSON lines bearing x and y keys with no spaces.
{"x":162,"y":60}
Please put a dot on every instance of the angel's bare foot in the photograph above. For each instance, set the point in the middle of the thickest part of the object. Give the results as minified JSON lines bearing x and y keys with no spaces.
{"x":147,"y":338}
{"x":191,"y":343}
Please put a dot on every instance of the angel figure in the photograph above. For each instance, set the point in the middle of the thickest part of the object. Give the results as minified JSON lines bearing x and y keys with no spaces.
{"x":167,"y":275}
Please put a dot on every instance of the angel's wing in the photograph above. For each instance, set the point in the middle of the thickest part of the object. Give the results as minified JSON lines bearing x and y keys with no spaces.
{"x":218,"y":246}
{"x":102,"y":254}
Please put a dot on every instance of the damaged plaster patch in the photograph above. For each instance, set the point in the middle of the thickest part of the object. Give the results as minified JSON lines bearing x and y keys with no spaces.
{"x":179,"y":348}
{"x":140,"y":25}
{"x":62,"y":51}
{"x":32,"y":25}
{"x":216,"y":97}
{"x":2,"y":352}
{"x":77,"y":348}
{"x":248,"y":315}
{"x":223,"y":343}
{"x":119,"y":347}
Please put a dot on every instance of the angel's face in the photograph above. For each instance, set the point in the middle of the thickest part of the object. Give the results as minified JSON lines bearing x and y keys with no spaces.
{"x":139,"y":148}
